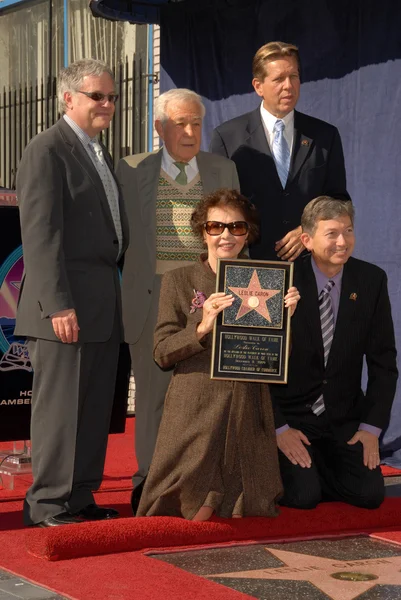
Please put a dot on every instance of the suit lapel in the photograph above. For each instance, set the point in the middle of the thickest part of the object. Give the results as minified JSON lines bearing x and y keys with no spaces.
{"x":346,"y":309}
{"x":309,"y":295}
{"x":148,"y":172}
{"x":209,"y":173}
{"x":257,"y":141}
{"x":121,"y":206}
{"x":256,"y":134}
{"x":302,"y":147}
{"x":82,"y":157}
{"x":85,"y":163}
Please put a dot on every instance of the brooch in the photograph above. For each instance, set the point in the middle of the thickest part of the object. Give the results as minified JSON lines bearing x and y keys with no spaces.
{"x":198,"y":301}
{"x":353,"y":296}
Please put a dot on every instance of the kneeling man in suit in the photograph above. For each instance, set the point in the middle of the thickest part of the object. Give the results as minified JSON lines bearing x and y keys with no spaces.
{"x":328,"y":428}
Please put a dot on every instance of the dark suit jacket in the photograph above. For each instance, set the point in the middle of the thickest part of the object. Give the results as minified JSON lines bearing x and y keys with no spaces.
{"x":364,"y":328}
{"x":69,"y":241}
{"x":317,"y":167}
{"x":139,"y":178}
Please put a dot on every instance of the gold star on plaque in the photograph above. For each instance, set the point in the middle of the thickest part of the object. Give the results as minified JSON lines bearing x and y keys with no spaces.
{"x":254,"y":297}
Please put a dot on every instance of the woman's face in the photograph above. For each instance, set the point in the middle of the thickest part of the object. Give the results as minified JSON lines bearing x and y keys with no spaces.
{"x":225,"y":245}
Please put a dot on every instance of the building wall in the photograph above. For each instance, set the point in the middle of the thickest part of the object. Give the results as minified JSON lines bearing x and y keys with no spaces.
{"x":31,"y":41}
{"x":35,"y":44}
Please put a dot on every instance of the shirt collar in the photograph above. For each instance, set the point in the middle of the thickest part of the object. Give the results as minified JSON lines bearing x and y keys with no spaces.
{"x":82,"y":135}
{"x":322,"y":279}
{"x":168,"y":160}
{"x":270,"y":120}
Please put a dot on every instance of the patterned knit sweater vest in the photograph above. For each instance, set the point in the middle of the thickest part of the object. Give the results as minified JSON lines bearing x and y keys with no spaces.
{"x":176,"y":244}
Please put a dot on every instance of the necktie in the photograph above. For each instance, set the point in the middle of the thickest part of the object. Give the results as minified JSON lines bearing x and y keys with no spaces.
{"x":111,"y":193}
{"x":181,"y":178}
{"x":327,"y":325}
{"x":281,"y":152}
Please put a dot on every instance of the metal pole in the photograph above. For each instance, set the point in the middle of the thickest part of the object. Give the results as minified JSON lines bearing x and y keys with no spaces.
{"x":150,"y":89}
{"x":65,"y":33}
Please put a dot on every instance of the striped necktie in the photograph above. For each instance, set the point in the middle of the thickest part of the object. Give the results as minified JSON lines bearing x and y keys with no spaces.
{"x":281,"y":152}
{"x":110,"y":189}
{"x":327,"y":325}
{"x":181,"y":178}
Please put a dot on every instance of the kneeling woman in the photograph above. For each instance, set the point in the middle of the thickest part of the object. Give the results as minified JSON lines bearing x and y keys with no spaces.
{"x":216,"y":449}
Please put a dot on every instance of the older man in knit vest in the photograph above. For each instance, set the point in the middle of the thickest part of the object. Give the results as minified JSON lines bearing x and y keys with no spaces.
{"x":160,"y":190}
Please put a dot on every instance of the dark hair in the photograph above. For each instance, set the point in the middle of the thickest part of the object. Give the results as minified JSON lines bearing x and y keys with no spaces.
{"x":226,"y":197}
{"x":325,"y":208}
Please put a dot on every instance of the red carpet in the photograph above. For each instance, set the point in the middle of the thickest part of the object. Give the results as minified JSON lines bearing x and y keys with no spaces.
{"x":390,"y":471}
{"x":133,"y":576}
{"x":119,"y":467}
{"x":127,"y":535}
{"x":130,"y":575}
{"x":388,"y":536}
{"x":126,"y":576}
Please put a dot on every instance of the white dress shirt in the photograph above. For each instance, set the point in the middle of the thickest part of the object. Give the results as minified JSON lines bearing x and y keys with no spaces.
{"x":169,"y":167}
{"x":269,"y":120}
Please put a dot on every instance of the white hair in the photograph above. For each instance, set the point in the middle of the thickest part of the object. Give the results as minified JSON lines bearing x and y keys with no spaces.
{"x":71,"y":78}
{"x":176,"y":95}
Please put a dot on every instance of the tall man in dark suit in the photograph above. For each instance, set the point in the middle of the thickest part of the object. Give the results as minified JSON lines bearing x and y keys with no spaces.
{"x":284,"y":158}
{"x":161,"y":189}
{"x":74,"y":231}
{"x":327,"y":427}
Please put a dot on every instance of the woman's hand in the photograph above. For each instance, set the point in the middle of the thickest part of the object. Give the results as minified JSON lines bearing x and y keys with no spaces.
{"x":212,"y":307}
{"x":291,"y":299}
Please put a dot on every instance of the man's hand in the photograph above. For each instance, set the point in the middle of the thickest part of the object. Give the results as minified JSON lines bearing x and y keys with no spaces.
{"x":290,"y":247}
{"x":65,"y":325}
{"x":291,"y":443}
{"x":370,"y":443}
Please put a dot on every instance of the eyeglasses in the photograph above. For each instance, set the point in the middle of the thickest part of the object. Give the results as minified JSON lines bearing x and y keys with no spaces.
{"x":217,"y":228}
{"x":99,"y":97}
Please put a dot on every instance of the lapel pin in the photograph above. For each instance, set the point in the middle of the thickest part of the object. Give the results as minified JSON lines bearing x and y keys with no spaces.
{"x":353,"y":296}
{"x":304,"y":143}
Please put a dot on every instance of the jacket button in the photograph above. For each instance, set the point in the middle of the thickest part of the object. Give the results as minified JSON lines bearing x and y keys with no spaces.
{"x":324,"y":381}
{"x":149,"y":291}
{"x":115,"y":242}
{"x":285,"y":222}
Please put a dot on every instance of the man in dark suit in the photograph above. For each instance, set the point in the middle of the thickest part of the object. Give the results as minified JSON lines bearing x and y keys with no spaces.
{"x":74,"y":231}
{"x":284,"y":158}
{"x":161,"y":189}
{"x":327,"y":427}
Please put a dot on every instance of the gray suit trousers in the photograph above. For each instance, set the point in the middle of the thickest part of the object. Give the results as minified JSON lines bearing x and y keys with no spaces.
{"x":151,"y":384}
{"x":72,"y":400}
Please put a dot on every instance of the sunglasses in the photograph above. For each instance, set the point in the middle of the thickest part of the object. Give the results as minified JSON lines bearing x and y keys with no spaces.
{"x":99,"y":97}
{"x":217,"y":228}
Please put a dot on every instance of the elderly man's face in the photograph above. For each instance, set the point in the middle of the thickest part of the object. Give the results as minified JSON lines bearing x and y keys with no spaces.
{"x":92,"y":116}
{"x":182,"y":131}
{"x":280,"y":87}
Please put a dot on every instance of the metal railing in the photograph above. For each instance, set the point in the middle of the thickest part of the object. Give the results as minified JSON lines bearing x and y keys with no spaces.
{"x":26,"y":110}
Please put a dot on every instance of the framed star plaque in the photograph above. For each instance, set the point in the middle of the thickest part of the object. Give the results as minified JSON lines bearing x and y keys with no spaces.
{"x":251,"y":338}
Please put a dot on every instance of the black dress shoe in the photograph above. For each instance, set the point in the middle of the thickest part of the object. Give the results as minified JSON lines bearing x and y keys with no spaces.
{"x":63,"y":518}
{"x":93,"y":512}
{"x":136,"y":496}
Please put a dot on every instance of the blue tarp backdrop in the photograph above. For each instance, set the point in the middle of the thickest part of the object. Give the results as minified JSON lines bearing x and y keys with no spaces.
{"x":351,"y":77}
